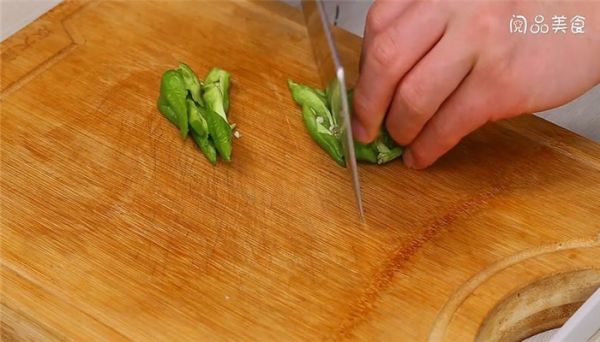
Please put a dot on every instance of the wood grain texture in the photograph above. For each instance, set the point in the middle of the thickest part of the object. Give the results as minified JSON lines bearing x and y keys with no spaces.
{"x":115,"y":229}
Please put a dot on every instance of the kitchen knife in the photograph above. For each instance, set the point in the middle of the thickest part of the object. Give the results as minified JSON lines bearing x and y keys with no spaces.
{"x":333,"y":77}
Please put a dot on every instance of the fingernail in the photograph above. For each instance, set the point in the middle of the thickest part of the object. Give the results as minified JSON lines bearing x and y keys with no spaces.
{"x":408,"y":159}
{"x":358,"y":130}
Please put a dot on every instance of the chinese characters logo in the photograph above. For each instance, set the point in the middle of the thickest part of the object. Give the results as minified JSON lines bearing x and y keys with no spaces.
{"x":559,"y":24}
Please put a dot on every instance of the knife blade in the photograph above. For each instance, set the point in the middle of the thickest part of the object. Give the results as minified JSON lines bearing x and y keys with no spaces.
{"x":333,"y":77}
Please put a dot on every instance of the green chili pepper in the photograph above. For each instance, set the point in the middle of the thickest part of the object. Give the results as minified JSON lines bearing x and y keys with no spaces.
{"x":382,"y":156}
{"x":365,"y":152}
{"x":166,"y":110}
{"x":318,"y":119}
{"x":319,"y":111}
{"x":220,"y":78}
{"x":172,"y":87}
{"x":196,"y":119}
{"x":350,"y":101}
{"x":192,"y":84}
{"x":214,"y":99}
{"x":333,"y":96}
{"x":206,"y":146}
{"x":188,"y":102}
{"x":329,"y":142}
{"x":384,"y":148}
{"x":219,"y":128}
{"x":386,"y":138}
{"x":387,"y":148}
{"x":307,"y":96}
{"x":221,"y":133}
{"x":321,"y":95}
{"x":389,"y":155}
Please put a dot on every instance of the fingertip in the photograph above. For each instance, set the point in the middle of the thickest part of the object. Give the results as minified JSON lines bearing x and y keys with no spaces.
{"x":365,"y":126}
{"x":358,"y":131}
{"x":396,"y":129}
{"x":408,"y":159}
{"x":415,"y":161}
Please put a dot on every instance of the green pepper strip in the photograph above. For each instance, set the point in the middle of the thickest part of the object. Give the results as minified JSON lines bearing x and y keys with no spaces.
{"x":197,"y":120}
{"x":318,"y":119}
{"x":322,"y":95}
{"x":166,"y":110}
{"x":206,"y":146}
{"x":172,"y":87}
{"x":391,"y":154}
{"x":307,"y":96}
{"x":332,"y":94}
{"x":192,"y":84}
{"x":387,"y":147}
{"x":365,"y":153}
{"x":220,"y":78}
{"x":220,"y":132}
{"x":327,"y":141}
{"x":214,"y":99}
{"x":320,"y":105}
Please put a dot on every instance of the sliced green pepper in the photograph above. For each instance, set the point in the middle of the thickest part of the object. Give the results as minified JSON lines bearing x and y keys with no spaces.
{"x":318,"y":110}
{"x":333,"y":96}
{"x":172,"y":87}
{"x":365,"y":153}
{"x":220,"y":78}
{"x":197,"y":120}
{"x":386,"y":147}
{"x":206,"y":146}
{"x":188,"y":102}
{"x":166,"y":110}
{"x":307,"y":96}
{"x":321,"y":94}
{"x":351,"y":101}
{"x":219,"y":128}
{"x":389,"y":155}
{"x":220,"y":132}
{"x":329,"y":142}
{"x":192,"y":84}
{"x":383,"y":150}
{"x":214,"y":99}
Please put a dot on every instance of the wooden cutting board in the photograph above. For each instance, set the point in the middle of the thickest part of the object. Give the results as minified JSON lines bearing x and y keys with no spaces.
{"x":115,"y":229}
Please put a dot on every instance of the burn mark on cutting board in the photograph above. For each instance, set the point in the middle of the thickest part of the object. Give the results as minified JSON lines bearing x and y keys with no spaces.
{"x":513,"y":176}
{"x":384,"y":277}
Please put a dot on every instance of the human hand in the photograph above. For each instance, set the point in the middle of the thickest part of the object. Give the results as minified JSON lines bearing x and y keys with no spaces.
{"x":441,"y":69}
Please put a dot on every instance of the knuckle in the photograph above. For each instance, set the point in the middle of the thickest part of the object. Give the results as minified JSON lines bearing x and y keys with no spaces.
{"x":412,"y":95}
{"x":366,"y":113}
{"x":385,"y":48}
{"x":445,"y":139}
{"x":419,"y":156}
{"x":400,"y":136}
{"x":358,"y":102}
{"x":374,"y":23}
{"x":486,"y":24}
{"x":361,"y":106}
{"x":504,"y":95}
